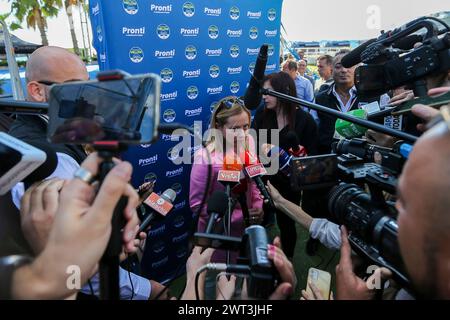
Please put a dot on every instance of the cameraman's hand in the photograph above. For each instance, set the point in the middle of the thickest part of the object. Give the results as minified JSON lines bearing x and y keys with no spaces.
{"x":37,"y":211}
{"x":285,"y":269}
{"x":316,"y":294}
{"x":81,"y":230}
{"x":224,"y":287}
{"x":196,"y":260}
{"x":404,"y":96}
{"x":427,"y":113}
{"x":348,"y":285}
{"x":380,"y":139}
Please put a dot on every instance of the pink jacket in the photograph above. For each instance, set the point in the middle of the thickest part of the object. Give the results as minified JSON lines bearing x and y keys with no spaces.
{"x":199,"y":175}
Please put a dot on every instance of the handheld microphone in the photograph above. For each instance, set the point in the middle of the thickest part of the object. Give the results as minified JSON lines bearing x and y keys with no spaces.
{"x":24,"y":161}
{"x":160,"y":205}
{"x":252,"y":98}
{"x":354,"y":57}
{"x":296,"y":149}
{"x":230,"y":175}
{"x":284,"y":160}
{"x":351,"y":130}
{"x":254,"y":172}
{"x":217,"y":205}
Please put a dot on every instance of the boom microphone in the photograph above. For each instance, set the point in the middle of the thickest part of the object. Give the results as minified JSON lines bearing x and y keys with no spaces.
{"x":252,"y":98}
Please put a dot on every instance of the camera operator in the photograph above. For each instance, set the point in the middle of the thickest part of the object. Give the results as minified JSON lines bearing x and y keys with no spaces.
{"x":78,"y":236}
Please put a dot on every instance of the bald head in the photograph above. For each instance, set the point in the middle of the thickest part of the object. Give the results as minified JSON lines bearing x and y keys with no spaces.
{"x":424,"y":220}
{"x":55,"y":64}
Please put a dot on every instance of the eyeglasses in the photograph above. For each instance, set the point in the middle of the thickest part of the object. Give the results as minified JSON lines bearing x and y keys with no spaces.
{"x":47,"y":83}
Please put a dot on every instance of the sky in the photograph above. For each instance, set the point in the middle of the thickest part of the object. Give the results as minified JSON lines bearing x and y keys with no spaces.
{"x":304,"y":20}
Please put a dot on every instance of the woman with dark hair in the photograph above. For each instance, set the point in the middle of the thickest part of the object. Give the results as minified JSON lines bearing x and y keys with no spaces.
{"x":288,"y":119}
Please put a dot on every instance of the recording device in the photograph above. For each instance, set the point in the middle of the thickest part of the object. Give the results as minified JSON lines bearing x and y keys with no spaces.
{"x":217,"y":205}
{"x":115,"y":107}
{"x":252,"y":98}
{"x":159,"y":206}
{"x":23,"y":162}
{"x":253,"y":261}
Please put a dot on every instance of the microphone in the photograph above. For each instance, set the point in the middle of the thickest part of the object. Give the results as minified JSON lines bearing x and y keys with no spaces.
{"x":284,"y":159}
{"x":354,"y":57}
{"x":351,"y":130}
{"x":252,"y":98}
{"x":217,"y":205}
{"x":254,"y":172}
{"x":160,"y":205}
{"x":296,"y":149}
{"x":230,"y":175}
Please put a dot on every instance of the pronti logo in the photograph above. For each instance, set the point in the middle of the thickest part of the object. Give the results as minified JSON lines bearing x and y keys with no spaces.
{"x":99,"y":34}
{"x":234,"y":87}
{"x":270,"y":50}
{"x":173,"y":153}
{"x":213,"y":32}
{"x":193,"y":112}
{"x":150,"y":177}
{"x":253,"y":33}
{"x":190,"y":52}
{"x":187,"y":74}
{"x":215,"y":12}
{"x":178,"y":221}
{"x":213,"y":52}
{"x":133,"y":32}
{"x":181,"y":253}
{"x":169,"y":54}
{"x":215,"y":90}
{"x":179,"y":206}
{"x":169,"y":96}
{"x":251,"y":67}
{"x":145,"y":146}
{"x":183,"y":237}
{"x":177,"y":188}
{"x":234,"y":13}
{"x":188,"y":9}
{"x":169,"y":115}
{"x":270,"y":33}
{"x":157,"y":232}
{"x":254,"y":14}
{"x":271,"y":67}
{"x":234,"y":33}
{"x":190,"y":32}
{"x":272,"y":14}
{"x":252,"y":51}
{"x":174,"y":173}
{"x":148,"y":161}
{"x":167,"y":137}
{"x":213,"y":106}
{"x":160,"y":263}
{"x":96,"y":9}
{"x":235,"y":70}
{"x":130,"y":6}
{"x":163,"y":31}
{"x":158,"y":246}
{"x":192,"y":92}
{"x":234,"y":51}
{"x":166,"y":75}
{"x":154,"y":8}
{"x":214,"y":71}
{"x":136,"y":55}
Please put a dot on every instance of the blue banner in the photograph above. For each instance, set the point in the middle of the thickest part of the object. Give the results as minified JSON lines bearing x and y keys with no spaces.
{"x":203,"y":51}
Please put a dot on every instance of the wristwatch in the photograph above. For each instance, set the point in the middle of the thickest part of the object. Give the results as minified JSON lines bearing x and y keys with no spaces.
{"x":8,"y":265}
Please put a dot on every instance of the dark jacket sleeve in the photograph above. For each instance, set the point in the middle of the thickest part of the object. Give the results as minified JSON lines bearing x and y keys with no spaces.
{"x":326,"y":126}
{"x":309,"y":138}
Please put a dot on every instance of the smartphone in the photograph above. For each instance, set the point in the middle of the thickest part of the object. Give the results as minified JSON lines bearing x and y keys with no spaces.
{"x":321,"y":279}
{"x":314,"y":172}
{"x":124,"y":109}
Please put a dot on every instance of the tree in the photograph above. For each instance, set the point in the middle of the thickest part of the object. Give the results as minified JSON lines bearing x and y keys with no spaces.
{"x":35,"y":13}
{"x":68,"y":4}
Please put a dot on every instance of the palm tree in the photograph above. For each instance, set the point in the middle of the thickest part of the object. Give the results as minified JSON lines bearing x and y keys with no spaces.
{"x":68,"y":4}
{"x":35,"y":13}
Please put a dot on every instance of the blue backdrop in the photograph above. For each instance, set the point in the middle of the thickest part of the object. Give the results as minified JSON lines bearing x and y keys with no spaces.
{"x":203,"y":50}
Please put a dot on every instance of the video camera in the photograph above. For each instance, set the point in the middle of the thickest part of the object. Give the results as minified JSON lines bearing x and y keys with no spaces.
{"x":356,"y":167}
{"x":253,"y":261}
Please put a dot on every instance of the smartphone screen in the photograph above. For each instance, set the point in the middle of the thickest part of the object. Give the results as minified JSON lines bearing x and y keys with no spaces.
{"x":124,"y":110}
{"x":321,"y":279}
{"x":315,"y":171}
